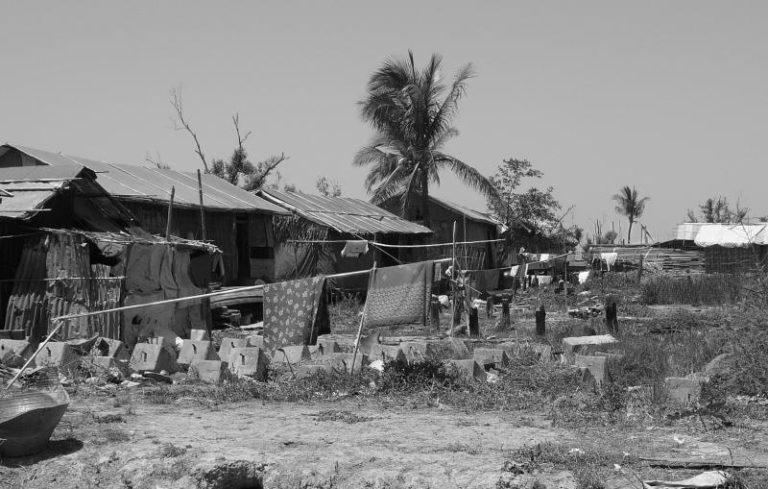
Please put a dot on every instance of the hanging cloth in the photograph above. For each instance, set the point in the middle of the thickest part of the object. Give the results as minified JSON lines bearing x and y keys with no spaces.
{"x":353,"y":249}
{"x":295,"y":312}
{"x":399,"y":295}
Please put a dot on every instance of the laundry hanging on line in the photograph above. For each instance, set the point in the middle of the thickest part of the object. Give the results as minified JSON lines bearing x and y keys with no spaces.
{"x":609,"y":258}
{"x":485,"y":280}
{"x":295,"y":312}
{"x":353,"y":249}
{"x":399,"y":295}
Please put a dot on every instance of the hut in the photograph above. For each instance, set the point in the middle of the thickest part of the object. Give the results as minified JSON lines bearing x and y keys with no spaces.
{"x":338,"y":220}
{"x":67,"y":246}
{"x":729,"y":248}
{"x":471,"y":225}
{"x":236,"y":221}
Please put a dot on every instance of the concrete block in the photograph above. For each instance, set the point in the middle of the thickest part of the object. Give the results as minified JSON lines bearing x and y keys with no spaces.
{"x":595,"y":365}
{"x":228,"y":344}
{"x":467,"y":369}
{"x":328,"y":347}
{"x":256,"y":341}
{"x":387,"y":353}
{"x":315,"y":352}
{"x":199,"y":335}
{"x":15,"y":352}
{"x":342,"y":362}
{"x":490,"y":357}
{"x":415,"y":351}
{"x":448,"y":348}
{"x":108,"y":347}
{"x":579,"y":344}
{"x":544,"y":352}
{"x":57,"y":354}
{"x":151,"y":357}
{"x":684,"y":390}
{"x":209,"y":371}
{"x":196,"y":350}
{"x":248,"y":362}
{"x":292,"y":354}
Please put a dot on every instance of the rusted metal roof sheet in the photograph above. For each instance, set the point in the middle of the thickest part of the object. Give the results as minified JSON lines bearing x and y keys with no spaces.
{"x":28,"y":188}
{"x":132,"y":182}
{"x":344,"y":214}
{"x":471,"y":214}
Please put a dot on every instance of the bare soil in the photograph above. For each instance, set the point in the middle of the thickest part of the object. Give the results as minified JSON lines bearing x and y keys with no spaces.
{"x":346,"y":444}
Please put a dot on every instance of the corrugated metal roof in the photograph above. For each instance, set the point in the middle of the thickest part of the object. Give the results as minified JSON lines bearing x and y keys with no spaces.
{"x":732,"y":235}
{"x":30,"y":187}
{"x":466,"y":211}
{"x":153,"y":184}
{"x":344,"y":214}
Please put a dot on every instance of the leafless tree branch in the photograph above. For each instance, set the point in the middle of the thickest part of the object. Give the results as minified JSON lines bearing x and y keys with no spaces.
{"x":240,"y":140}
{"x":182,"y":124}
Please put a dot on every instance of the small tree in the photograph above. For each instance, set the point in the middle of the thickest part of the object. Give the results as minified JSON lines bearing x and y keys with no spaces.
{"x":328,"y":188}
{"x":719,"y":211}
{"x":630,"y":204}
{"x":238,"y":170}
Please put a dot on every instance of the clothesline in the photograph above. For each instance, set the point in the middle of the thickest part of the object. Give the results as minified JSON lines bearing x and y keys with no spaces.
{"x":199,"y":296}
{"x":385,"y":245}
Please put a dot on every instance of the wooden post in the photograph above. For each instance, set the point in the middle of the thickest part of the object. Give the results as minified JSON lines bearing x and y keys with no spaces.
{"x":474,"y":322}
{"x":541,"y":316}
{"x":489,"y":307}
{"x":454,"y":276}
{"x":170,"y":215}
{"x":202,"y":212}
{"x":640,"y":270}
{"x":611,"y":317}
{"x":362,"y":320}
{"x":435,"y":314}
{"x":506,"y":320}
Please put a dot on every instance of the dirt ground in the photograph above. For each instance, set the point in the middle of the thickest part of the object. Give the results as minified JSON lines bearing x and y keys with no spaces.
{"x":333,"y":445}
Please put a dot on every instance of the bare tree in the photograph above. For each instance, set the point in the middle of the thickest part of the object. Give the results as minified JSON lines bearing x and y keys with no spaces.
{"x":238,"y":170}
{"x":156,"y":161}
{"x":182,"y":124}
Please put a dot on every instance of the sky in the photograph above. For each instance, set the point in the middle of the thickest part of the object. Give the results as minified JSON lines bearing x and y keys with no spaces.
{"x":669,"y":97}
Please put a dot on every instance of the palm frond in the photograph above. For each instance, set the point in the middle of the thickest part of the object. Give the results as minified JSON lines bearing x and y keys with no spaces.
{"x":468,"y":175}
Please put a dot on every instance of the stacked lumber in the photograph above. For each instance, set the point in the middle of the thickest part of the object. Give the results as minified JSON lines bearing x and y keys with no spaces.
{"x":653,"y":259}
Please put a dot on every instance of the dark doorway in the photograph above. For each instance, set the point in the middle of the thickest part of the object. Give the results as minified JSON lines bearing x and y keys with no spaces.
{"x":243,"y":252}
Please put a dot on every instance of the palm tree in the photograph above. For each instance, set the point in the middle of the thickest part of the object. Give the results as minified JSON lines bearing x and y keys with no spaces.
{"x":631,"y":205}
{"x":411,"y":112}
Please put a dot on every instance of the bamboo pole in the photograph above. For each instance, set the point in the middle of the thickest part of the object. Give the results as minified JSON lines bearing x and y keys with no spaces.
{"x":202,"y":212}
{"x":170,"y":215}
{"x":453,"y":280}
{"x":59,"y":324}
{"x":362,"y":320}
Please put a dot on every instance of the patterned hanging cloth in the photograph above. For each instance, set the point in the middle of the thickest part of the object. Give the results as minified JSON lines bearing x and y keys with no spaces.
{"x":295,"y":312}
{"x":399,"y":295}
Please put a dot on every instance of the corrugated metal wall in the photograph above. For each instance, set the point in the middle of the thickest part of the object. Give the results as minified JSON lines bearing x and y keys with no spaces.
{"x":55,"y":278}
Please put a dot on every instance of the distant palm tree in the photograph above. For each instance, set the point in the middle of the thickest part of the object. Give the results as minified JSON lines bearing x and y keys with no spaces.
{"x":631,"y":205}
{"x":411,"y":111}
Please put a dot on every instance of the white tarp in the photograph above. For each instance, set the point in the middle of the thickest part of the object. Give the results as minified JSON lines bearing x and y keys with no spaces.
{"x":732,"y":235}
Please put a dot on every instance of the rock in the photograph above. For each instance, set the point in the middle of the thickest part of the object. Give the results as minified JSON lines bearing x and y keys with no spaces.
{"x":108,"y":347}
{"x":581,"y":344}
{"x":14,"y":353}
{"x":57,"y":354}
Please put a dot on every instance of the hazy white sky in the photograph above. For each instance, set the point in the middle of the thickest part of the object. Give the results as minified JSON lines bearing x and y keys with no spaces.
{"x":669,"y":96}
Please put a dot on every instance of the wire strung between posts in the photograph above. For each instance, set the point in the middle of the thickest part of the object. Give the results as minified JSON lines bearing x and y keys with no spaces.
{"x":385,"y":245}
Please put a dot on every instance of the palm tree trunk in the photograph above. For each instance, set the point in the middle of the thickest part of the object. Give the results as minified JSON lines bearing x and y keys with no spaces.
{"x":425,"y":198}
{"x":629,"y":233}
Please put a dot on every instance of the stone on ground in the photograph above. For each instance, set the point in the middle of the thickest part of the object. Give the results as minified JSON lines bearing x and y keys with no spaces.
{"x":108,"y":347}
{"x":57,"y":354}
{"x":595,"y":365}
{"x":292,"y":354}
{"x":387,"y":353}
{"x":342,"y":362}
{"x":199,"y":335}
{"x":582,"y":344}
{"x":14,"y":353}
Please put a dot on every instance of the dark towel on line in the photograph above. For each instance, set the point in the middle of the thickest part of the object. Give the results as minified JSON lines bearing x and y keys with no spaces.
{"x":399,"y":295}
{"x":486,"y":280}
{"x":295,"y":312}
